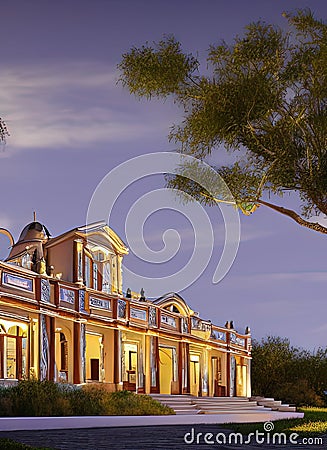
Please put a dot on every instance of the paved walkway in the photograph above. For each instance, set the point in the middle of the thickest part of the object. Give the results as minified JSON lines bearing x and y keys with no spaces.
{"x":142,"y":438}
{"x":52,"y":423}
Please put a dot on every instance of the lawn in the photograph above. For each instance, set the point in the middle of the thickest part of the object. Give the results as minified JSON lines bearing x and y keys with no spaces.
{"x":314,"y":423}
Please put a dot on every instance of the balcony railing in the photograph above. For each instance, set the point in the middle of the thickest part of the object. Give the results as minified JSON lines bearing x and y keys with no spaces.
{"x":57,"y":294}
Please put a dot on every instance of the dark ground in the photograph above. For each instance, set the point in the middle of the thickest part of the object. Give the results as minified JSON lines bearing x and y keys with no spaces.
{"x":137,"y":438}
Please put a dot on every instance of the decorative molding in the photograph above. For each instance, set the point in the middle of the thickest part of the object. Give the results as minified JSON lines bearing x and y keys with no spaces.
{"x":237,"y":340}
{"x":45,"y":290}
{"x":121,"y":309}
{"x":25,"y":284}
{"x":136,"y":313}
{"x":67,"y":295}
{"x":81,"y":300}
{"x":218,"y":335}
{"x":184,"y":325}
{"x":152,"y":316}
{"x":168,"y":320}
{"x":99,"y":303}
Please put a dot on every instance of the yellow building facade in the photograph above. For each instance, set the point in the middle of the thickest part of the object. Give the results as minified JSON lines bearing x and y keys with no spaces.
{"x":64,"y":317}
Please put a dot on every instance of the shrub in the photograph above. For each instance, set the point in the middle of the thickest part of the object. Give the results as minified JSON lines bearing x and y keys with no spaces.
{"x":34,"y":398}
{"x":46,"y":398}
{"x":299,"y":393}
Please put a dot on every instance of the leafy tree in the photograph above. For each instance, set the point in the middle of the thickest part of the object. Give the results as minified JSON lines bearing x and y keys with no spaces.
{"x":270,"y":365}
{"x":264,"y":96}
{"x":289,"y":373}
{"x":3,"y":131}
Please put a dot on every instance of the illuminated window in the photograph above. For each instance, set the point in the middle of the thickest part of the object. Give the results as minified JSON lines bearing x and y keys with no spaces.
{"x":106,"y":282}
{"x":63,"y":353}
{"x":26,"y":261}
{"x":87,"y":280}
{"x":95,"y":275}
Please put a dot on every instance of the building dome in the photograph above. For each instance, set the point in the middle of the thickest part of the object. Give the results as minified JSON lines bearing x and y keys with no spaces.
{"x":30,"y":242}
{"x":34,"y":231}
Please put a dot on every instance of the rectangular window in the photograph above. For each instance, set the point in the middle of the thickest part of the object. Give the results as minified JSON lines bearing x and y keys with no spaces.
{"x":87,"y":280}
{"x":106,"y":281}
{"x":95,"y":275}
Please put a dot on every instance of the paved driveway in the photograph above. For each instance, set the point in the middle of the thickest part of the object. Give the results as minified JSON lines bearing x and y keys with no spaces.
{"x":140,"y":438}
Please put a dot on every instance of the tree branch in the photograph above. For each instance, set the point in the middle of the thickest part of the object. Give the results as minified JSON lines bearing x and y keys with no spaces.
{"x":296,"y":217}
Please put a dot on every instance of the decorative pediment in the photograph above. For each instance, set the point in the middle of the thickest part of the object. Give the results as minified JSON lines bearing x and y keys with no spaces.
{"x":174,"y":303}
{"x":100,"y":235}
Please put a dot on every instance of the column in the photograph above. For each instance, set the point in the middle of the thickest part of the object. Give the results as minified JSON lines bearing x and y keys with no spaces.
{"x":117,"y":358}
{"x":205,"y":376}
{"x":77,"y":353}
{"x":1,"y":355}
{"x":186,"y":368}
{"x":228,"y":366}
{"x":248,"y":379}
{"x":43,"y":348}
{"x":51,"y":327}
{"x":147,"y":369}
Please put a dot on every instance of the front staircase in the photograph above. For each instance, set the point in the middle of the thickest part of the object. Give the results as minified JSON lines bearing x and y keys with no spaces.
{"x":188,"y":404}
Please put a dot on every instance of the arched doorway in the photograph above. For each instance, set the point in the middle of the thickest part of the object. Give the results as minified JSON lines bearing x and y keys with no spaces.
{"x":63,"y":368}
{"x":13,"y":351}
{"x":63,"y":355}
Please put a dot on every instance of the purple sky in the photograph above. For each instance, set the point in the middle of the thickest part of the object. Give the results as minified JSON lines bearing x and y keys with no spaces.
{"x":71,"y":124}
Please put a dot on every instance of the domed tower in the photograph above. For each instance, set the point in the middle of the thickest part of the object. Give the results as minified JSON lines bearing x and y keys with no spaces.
{"x":28,"y":251}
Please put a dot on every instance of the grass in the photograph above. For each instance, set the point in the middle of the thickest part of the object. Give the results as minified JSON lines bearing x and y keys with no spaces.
{"x":314,"y":423}
{"x":8,"y":444}
{"x":47,"y":399}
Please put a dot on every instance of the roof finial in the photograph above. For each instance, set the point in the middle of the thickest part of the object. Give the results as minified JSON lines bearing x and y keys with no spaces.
{"x":34,"y":216}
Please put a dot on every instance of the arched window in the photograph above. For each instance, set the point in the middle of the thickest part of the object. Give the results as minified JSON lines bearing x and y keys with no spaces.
{"x":63,"y":353}
{"x":26,"y":261}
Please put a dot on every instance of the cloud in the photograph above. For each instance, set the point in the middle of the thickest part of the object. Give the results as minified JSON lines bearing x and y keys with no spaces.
{"x":71,"y":105}
{"x":322,"y":219}
{"x":266,"y":278}
{"x":5,"y":222}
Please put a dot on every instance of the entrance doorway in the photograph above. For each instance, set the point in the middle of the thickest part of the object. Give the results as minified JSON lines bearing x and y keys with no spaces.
{"x":13,"y":349}
{"x":241,"y":379}
{"x":216,"y":386}
{"x":130,"y":372}
{"x":166,"y":369}
{"x":194,"y":374}
{"x":94,"y":357}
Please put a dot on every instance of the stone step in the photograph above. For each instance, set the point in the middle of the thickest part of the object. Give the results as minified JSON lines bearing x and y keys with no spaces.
{"x":189,"y":404}
{"x":228,"y":411}
{"x":270,"y":403}
{"x":286,"y":408}
{"x":187,"y":412}
{"x":275,"y":405}
{"x":214,"y":402}
{"x":235,"y":408}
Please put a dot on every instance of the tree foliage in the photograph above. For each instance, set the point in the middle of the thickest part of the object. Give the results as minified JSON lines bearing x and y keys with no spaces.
{"x":3,"y":131}
{"x":288,"y":373}
{"x":263,"y":96}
